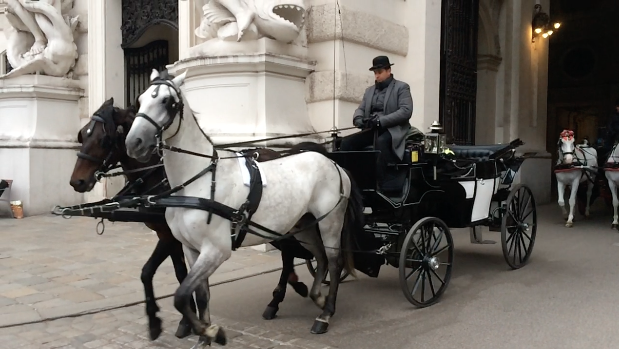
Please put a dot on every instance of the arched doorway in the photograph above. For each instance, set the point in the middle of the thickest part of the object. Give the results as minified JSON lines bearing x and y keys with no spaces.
{"x":149,"y":41}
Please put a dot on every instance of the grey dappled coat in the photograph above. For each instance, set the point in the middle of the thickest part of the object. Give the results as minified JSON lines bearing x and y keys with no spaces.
{"x":398,"y":110}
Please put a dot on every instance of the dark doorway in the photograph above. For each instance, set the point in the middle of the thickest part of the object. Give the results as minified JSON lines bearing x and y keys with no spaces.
{"x":458,"y":86}
{"x":149,"y":40}
{"x":583,"y":72}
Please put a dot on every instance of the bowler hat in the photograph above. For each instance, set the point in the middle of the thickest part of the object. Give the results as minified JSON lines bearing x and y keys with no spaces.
{"x":380,"y":62}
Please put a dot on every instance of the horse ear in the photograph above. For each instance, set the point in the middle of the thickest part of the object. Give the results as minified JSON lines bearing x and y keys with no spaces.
{"x":179,"y":80}
{"x":154,"y":75}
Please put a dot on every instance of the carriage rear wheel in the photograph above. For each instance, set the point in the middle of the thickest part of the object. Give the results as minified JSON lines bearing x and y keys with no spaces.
{"x":426,"y":260}
{"x":519,"y":226}
{"x":312,"y":266}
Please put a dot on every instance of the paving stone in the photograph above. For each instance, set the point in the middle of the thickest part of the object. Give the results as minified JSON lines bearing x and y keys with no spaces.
{"x":35,"y":298}
{"x":18,"y":292}
{"x":41,"y":277}
{"x":33,"y":280}
{"x":80,"y":296}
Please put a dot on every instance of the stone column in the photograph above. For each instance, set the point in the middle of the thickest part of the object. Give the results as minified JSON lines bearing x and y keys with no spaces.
{"x":188,"y":19}
{"x":485,"y":129}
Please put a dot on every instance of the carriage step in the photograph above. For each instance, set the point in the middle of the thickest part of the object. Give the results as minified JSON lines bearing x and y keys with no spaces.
{"x":477,"y":237}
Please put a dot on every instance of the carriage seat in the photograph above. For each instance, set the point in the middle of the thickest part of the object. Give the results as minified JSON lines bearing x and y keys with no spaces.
{"x":413,"y":136}
{"x":476,"y":152}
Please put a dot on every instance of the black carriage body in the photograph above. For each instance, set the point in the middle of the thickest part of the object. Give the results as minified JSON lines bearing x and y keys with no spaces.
{"x":452,"y":197}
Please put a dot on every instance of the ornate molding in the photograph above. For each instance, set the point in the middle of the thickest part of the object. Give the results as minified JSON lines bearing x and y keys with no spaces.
{"x":138,"y":15}
{"x":488,"y":62}
{"x":357,"y":27}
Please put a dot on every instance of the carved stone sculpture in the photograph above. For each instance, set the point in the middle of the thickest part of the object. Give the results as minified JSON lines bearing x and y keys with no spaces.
{"x":246,"y":20}
{"x":40,"y":39}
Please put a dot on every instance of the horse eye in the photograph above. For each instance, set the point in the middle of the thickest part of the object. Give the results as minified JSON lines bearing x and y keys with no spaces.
{"x":165,"y":100}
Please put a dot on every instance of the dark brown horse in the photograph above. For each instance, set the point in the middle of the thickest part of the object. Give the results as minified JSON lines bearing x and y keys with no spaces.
{"x":103,"y":146}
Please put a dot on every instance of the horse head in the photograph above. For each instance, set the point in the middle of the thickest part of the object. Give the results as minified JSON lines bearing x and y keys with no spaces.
{"x":102,"y":145}
{"x":566,"y":147}
{"x":158,"y":109}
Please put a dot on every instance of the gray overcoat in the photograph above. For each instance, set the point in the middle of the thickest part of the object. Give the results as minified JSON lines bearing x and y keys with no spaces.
{"x":398,"y":110}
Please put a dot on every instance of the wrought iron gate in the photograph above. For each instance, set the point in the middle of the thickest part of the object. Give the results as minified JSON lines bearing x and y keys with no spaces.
{"x":139,"y":62}
{"x":458,"y":86}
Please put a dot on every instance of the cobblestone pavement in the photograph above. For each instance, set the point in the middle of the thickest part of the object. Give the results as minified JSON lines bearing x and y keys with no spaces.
{"x":52,"y":267}
{"x":126,"y":328}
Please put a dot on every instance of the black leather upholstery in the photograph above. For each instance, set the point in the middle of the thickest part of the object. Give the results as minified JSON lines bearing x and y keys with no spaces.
{"x":478,"y":152}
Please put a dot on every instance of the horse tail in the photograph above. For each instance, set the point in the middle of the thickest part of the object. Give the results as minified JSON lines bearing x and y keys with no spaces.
{"x":353,"y":223}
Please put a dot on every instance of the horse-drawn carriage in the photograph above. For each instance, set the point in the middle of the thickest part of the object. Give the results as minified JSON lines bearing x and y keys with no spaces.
{"x":442,"y":187}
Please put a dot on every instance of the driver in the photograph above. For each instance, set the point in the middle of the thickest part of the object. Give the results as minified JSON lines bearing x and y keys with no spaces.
{"x":386,"y":108}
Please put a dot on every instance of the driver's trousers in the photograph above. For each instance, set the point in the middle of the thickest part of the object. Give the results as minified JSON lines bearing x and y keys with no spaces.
{"x":365,"y":138}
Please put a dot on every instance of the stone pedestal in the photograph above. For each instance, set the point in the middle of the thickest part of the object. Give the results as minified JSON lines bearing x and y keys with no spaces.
{"x":39,"y":121}
{"x":248,"y":97}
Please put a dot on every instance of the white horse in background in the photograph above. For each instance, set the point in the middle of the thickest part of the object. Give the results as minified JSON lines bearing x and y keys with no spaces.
{"x":297,"y":184}
{"x":611,"y":171}
{"x":571,"y":170}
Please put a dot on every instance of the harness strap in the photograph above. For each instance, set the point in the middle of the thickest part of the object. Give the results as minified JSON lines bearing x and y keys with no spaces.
{"x":250,"y":206}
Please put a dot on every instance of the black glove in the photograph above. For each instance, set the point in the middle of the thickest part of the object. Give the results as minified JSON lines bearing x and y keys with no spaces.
{"x":373,"y":123}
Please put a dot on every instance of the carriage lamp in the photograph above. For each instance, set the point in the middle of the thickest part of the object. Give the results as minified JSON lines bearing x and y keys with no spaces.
{"x":541,"y":24}
{"x":435,"y":140}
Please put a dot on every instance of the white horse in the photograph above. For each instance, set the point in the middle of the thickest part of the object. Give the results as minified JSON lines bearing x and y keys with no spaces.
{"x":611,"y":171}
{"x":298,"y":184}
{"x":570,"y":172}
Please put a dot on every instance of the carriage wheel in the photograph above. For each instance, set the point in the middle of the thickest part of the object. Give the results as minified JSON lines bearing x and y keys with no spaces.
{"x":426,"y":260}
{"x":519,"y":226}
{"x":311,"y":266}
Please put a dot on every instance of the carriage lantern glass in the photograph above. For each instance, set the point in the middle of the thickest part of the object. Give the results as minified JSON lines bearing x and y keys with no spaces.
{"x":434,"y":142}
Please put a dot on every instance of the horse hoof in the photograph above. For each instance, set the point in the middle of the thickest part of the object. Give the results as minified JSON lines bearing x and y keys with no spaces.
{"x":183,"y":330}
{"x":270,"y":313}
{"x":614,"y":226}
{"x":320,"y":327}
{"x":569,"y":225}
{"x":301,"y":289}
{"x":155,"y":328}
{"x":217,"y":333}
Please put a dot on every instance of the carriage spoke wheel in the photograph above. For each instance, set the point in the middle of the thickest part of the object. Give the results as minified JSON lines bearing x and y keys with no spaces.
{"x":426,"y":260}
{"x":519,"y":226}
{"x":312,"y":266}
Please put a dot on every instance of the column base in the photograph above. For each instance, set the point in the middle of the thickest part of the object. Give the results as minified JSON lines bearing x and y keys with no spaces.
{"x":39,"y":121}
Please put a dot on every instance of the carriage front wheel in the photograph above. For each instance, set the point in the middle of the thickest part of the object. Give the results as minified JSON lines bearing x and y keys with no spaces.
{"x":519,"y":226}
{"x":426,"y":260}
{"x":312,"y":266}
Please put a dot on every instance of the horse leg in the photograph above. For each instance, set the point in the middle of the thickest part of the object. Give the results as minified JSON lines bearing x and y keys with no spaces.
{"x":203,"y":293}
{"x":572,"y":202}
{"x":561,"y":194}
{"x":335,"y":261}
{"x":180,"y":269}
{"x":590,"y":184}
{"x":279,"y":293}
{"x":161,"y":252}
{"x":293,"y":280}
{"x":612,"y":186}
{"x":205,"y":264}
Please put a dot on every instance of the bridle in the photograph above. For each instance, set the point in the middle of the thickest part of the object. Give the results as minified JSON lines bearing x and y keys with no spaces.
{"x":173,"y":108}
{"x":108,"y":143}
{"x":566,"y":135}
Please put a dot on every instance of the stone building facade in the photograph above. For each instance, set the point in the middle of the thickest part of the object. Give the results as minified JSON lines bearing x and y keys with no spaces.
{"x":470,"y":63}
